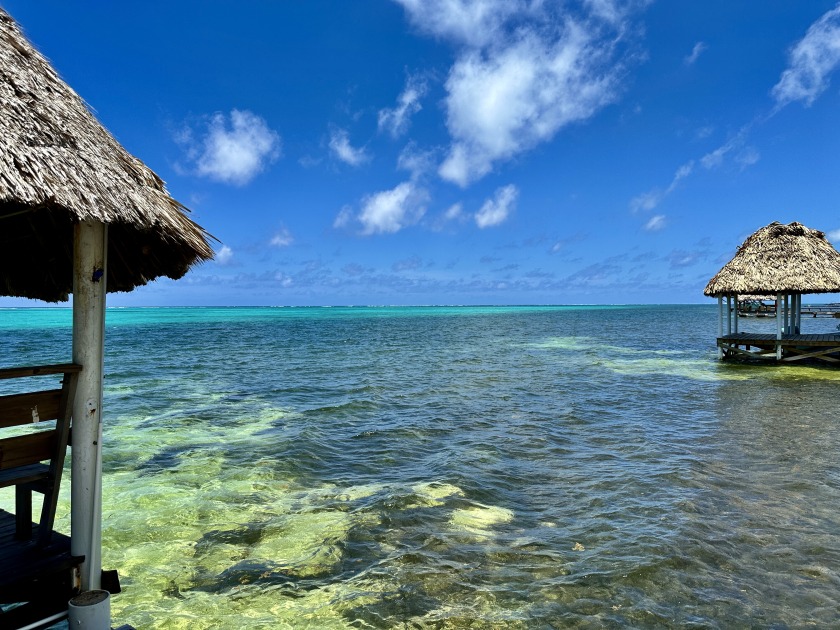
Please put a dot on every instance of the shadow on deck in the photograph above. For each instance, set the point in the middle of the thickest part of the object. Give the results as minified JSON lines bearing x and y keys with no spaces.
{"x":36,"y":581}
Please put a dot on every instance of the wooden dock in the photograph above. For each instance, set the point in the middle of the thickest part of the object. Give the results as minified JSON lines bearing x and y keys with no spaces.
{"x":747,"y":345}
{"x":36,"y":581}
{"x":821,"y":310}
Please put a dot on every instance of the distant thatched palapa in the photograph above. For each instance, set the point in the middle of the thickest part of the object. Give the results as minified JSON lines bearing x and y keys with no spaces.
{"x":60,"y":166}
{"x":785,"y":261}
{"x":777,"y":259}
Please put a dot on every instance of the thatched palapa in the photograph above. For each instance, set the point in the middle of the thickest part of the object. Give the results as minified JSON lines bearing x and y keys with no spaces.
{"x":780,"y":259}
{"x":60,"y":166}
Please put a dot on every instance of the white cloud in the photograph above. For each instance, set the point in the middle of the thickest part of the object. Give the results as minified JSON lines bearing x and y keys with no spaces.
{"x":397,"y":120}
{"x":453,"y":212}
{"x":389,"y":211}
{"x":747,"y":157}
{"x":415,"y":161}
{"x":471,"y":22}
{"x":495,"y":211}
{"x":655,"y":223}
{"x":812,"y":59}
{"x":344,"y":151}
{"x":343,"y":218}
{"x":834,"y":235}
{"x":503,"y":102}
{"x":283,"y":238}
{"x":224,"y":256}
{"x":698,"y":49}
{"x":612,"y":11}
{"x":283,"y":279}
{"x":649,"y":200}
{"x":233,"y":150}
{"x":525,"y":69}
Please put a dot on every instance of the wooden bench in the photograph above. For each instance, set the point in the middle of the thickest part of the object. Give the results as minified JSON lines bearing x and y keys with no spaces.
{"x":34,"y":462}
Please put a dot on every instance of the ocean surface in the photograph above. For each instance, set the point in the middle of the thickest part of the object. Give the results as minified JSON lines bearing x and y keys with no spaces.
{"x":436,"y":467}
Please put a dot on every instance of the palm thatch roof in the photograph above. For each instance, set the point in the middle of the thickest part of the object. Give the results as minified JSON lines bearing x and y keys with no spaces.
{"x":60,"y":166}
{"x":780,"y":258}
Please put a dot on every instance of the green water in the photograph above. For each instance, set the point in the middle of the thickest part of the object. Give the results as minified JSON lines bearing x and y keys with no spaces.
{"x":522,"y":467}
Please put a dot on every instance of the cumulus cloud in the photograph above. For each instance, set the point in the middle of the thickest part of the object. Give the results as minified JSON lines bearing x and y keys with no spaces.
{"x":504,"y":102}
{"x":344,"y":151}
{"x":473,"y":22}
{"x":698,"y":49}
{"x":282,"y":238}
{"x":397,"y":120}
{"x":495,"y":211}
{"x":811,"y":61}
{"x":389,"y":211}
{"x":834,"y":235}
{"x":224,"y":256}
{"x":232,"y":149}
{"x":655,"y":223}
{"x":524,"y":70}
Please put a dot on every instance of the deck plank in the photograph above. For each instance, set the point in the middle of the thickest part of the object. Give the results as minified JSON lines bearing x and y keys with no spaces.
{"x":33,"y":573}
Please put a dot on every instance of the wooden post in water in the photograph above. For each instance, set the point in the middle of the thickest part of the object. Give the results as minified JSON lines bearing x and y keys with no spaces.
{"x":90,"y":248}
{"x":720,"y":324}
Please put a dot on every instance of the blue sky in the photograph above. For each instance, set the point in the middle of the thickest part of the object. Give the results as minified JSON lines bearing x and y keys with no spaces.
{"x":463,"y":151}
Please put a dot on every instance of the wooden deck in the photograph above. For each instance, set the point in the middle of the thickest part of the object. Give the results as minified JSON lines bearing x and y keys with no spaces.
{"x":790,"y":347}
{"x":821,"y":310}
{"x":40,"y":576}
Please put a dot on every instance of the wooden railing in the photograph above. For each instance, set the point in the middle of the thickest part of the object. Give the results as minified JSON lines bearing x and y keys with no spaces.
{"x":34,"y":462}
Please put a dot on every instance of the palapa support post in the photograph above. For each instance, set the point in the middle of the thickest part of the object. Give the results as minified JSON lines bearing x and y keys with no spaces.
{"x":89,"y":286}
{"x":735,"y":314}
{"x":728,"y":314}
{"x":720,"y":324}
{"x":779,"y":315}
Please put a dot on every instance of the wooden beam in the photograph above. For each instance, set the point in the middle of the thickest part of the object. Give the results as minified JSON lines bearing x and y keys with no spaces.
{"x":39,"y":370}
{"x":813,"y":354}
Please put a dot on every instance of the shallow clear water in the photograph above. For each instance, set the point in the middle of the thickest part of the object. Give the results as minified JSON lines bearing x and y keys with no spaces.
{"x":457,"y":467}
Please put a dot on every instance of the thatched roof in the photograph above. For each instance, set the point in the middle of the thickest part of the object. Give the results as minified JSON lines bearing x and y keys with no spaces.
{"x":780,"y":259}
{"x":59,"y":166}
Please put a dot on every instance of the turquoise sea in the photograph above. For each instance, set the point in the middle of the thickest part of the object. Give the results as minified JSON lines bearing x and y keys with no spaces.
{"x":463,"y":467}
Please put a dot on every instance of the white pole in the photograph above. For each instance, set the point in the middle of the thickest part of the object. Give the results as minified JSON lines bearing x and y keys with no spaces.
{"x":720,"y":324}
{"x":787,"y":315}
{"x":778,"y":326}
{"x":90,"y":247}
{"x":90,"y":611}
{"x":735,"y":315}
{"x":728,"y":314}
{"x":798,"y":314}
